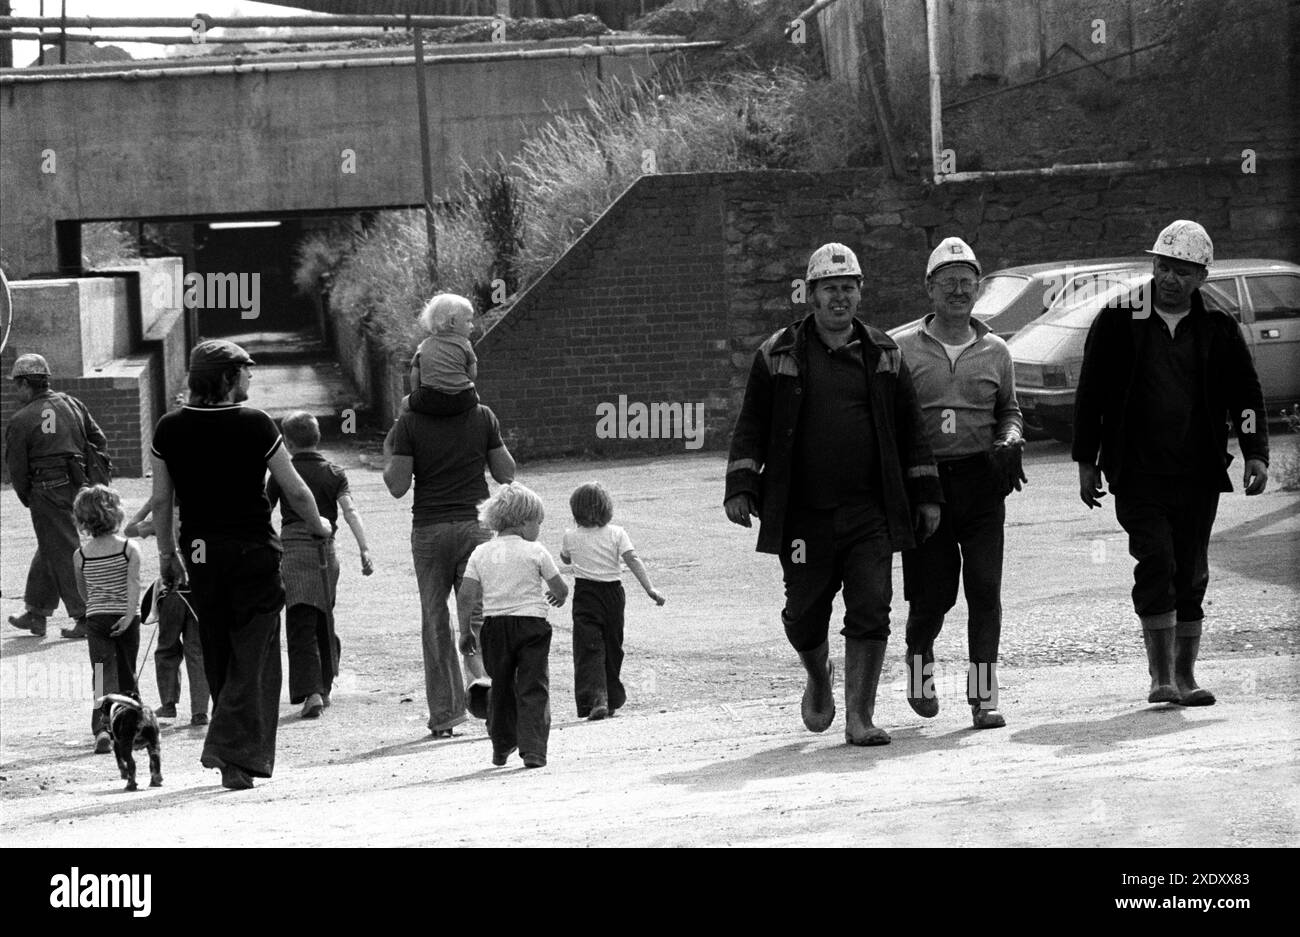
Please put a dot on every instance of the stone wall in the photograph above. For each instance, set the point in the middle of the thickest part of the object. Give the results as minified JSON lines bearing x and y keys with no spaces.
{"x":667,"y":296}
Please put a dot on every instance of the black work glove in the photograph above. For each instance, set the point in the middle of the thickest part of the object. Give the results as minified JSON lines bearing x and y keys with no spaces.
{"x":1008,"y":470}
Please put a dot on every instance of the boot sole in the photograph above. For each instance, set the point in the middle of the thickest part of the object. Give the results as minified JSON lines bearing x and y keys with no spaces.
{"x":869,"y":740}
{"x":1199,"y":697}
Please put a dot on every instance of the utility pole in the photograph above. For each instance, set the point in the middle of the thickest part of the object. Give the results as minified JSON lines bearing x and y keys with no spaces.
{"x":426,"y":167}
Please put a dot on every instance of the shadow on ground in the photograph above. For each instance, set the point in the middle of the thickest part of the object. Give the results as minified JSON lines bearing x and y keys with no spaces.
{"x":1088,"y":737}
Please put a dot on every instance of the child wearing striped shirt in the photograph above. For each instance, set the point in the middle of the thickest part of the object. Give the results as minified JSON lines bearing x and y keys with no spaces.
{"x":108,"y":577}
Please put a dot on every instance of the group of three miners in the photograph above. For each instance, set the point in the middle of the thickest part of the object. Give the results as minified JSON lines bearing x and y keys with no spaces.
{"x":850,"y":446}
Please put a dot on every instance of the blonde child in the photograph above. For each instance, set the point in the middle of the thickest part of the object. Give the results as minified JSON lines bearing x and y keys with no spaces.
{"x":108,"y":577}
{"x":507,"y":574}
{"x":445,"y":368}
{"x":594,"y":549}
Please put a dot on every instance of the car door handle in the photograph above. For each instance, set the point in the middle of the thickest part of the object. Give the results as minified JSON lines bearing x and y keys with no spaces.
{"x":1270,"y":333}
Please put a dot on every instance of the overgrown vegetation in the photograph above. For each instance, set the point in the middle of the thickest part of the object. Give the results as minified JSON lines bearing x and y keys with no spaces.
{"x":107,"y":244}
{"x":511,"y":222}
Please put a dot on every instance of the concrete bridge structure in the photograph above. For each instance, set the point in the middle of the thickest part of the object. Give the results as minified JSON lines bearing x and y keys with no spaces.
{"x":287,"y":134}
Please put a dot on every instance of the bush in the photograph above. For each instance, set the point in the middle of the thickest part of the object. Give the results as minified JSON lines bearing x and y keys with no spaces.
{"x":107,"y":244}
{"x":575,"y":166}
{"x":384,"y":282}
{"x":512,"y":222}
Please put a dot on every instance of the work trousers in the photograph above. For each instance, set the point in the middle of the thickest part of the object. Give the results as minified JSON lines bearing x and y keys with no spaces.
{"x":1168,"y":520}
{"x":440,"y":552}
{"x":313,"y":651}
{"x":516,"y":651}
{"x":846,"y":546}
{"x":51,"y":575}
{"x":112,"y":662}
{"x":237,"y":594}
{"x":598,"y":644}
{"x":966,"y":547}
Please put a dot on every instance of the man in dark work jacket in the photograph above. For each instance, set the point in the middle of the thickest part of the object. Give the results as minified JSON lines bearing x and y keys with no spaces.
{"x":1156,"y":392}
{"x":829,"y":452}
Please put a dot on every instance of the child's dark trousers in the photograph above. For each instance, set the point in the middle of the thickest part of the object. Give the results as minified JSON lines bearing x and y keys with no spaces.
{"x":516,"y":651}
{"x":112,"y":661}
{"x":598,"y":644}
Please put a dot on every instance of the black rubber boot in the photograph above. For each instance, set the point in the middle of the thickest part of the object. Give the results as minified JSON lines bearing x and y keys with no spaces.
{"x":819,"y":692}
{"x":863,"y":660}
{"x":1160,"y":664}
{"x":921,"y":695}
{"x":1186,"y":651}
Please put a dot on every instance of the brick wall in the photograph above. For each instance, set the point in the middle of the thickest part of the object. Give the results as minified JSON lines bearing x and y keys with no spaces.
{"x":666,"y":297}
{"x":636,"y":309}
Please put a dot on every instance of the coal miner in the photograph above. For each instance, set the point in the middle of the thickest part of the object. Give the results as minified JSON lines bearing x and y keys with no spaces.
{"x":1162,"y":378}
{"x":966,"y":387}
{"x":830,"y":454}
{"x":45,"y":444}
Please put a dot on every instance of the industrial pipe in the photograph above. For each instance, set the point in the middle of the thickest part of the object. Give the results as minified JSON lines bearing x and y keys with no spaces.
{"x":583,"y":51}
{"x":235,"y":22}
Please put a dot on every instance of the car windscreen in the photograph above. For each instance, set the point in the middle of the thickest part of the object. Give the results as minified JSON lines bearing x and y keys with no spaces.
{"x":1077,"y":306}
{"x":996,"y":293}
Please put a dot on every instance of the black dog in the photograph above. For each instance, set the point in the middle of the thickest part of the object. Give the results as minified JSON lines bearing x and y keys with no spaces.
{"x":132,"y":726}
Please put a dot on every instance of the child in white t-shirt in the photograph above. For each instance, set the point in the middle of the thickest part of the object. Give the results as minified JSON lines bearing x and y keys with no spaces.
{"x":508,"y":573}
{"x":445,"y":367}
{"x":594,"y":549}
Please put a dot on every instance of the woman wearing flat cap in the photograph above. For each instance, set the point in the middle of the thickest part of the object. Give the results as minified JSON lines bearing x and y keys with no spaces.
{"x":213,"y":453}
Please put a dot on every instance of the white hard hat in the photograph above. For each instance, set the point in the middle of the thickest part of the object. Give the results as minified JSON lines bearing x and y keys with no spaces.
{"x":832,"y":260}
{"x":952,"y":251}
{"x":1185,"y":240}
{"x":29,"y":364}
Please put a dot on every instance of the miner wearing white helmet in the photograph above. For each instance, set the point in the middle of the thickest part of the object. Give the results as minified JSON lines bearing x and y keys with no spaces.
{"x":967,"y":389}
{"x":829,"y":454}
{"x":45,"y":445}
{"x":1159,"y":384}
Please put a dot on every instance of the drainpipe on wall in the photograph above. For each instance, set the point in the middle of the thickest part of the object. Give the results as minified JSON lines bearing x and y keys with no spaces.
{"x":936,"y":106}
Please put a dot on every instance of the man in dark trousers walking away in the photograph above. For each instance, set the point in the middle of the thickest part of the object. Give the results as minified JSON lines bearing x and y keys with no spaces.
{"x":830,"y":453}
{"x":213,"y":454}
{"x":1162,"y":378}
{"x":445,"y":457}
{"x":966,"y":385}
{"x":45,"y":451}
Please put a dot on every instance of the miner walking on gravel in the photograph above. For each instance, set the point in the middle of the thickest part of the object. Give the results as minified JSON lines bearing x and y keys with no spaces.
{"x":830,"y":454}
{"x":966,"y":386}
{"x":1156,"y":395}
{"x":45,"y":445}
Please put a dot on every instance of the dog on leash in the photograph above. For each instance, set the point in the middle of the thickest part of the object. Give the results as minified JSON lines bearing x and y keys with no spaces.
{"x":132,"y":726}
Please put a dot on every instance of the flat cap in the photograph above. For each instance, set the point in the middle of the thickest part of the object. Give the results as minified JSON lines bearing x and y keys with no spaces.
{"x":217,"y":353}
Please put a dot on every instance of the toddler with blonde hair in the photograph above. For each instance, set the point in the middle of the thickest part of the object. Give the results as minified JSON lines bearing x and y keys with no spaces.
{"x":444,"y":368}
{"x":515,"y":577}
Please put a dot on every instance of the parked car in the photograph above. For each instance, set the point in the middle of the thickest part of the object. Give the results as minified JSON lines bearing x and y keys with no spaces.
{"x":1011,"y":298}
{"x":1262,"y":295}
